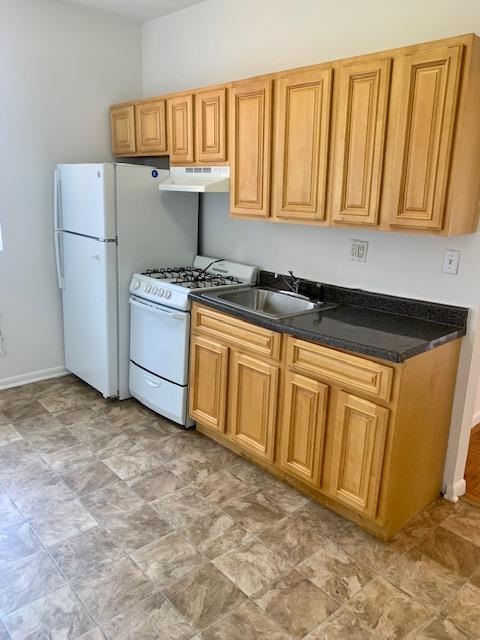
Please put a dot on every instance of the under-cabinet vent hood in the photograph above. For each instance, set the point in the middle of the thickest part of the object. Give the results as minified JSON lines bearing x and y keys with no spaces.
{"x":197,"y":179}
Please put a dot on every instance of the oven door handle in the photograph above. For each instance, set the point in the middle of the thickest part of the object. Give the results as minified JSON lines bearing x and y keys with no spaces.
{"x":151,"y":308}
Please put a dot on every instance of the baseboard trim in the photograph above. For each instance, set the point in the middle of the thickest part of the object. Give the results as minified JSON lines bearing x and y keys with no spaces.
{"x":455,"y":491}
{"x":33,"y":376}
{"x":476,"y":419}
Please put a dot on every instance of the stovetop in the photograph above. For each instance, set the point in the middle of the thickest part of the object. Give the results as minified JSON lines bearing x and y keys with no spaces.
{"x":191,"y":278}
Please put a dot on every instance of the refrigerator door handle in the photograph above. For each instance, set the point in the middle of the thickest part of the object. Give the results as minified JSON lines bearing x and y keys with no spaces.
{"x":56,"y":229}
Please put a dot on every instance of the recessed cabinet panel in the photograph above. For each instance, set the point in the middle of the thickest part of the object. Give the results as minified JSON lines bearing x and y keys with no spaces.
{"x":208,"y":382}
{"x":151,"y":127}
{"x":250,"y":129}
{"x":180,"y":128}
{"x":303,"y":102}
{"x":303,"y":427}
{"x":360,"y":141}
{"x":122,"y":123}
{"x":427,"y":96}
{"x":357,"y":457}
{"x":253,"y":397}
{"x":211,"y":126}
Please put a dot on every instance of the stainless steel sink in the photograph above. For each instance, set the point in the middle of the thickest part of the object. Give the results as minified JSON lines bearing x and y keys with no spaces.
{"x":267,"y":302}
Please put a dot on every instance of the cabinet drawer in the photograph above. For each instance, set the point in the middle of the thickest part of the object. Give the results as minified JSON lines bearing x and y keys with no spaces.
{"x":236,"y":332}
{"x":341,"y":368}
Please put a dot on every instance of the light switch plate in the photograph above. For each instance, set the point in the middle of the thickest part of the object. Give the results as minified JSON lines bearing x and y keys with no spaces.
{"x":358,"y":250}
{"x":451,"y":260}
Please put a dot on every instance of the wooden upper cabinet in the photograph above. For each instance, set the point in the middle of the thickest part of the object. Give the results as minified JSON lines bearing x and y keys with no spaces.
{"x":250,"y":116}
{"x":210,"y":125}
{"x":151,"y":127}
{"x":180,"y":128}
{"x":362,"y":106}
{"x":302,"y":123}
{"x":122,"y":124}
{"x":426,"y":86}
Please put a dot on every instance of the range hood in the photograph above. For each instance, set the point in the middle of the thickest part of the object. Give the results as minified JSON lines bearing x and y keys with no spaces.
{"x":197,"y":179}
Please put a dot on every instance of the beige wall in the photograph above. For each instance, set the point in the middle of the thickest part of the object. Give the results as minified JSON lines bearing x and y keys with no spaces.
{"x":222,"y":40}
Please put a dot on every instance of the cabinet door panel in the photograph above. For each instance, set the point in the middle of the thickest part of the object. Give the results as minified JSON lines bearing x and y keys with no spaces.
{"x":303,"y":427}
{"x":302,"y":127}
{"x":428,"y":87}
{"x":253,"y":396}
{"x":151,"y":127}
{"x":250,"y":127}
{"x":360,"y":141}
{"x":360,"y":432}
{"x":210,"y":126}
{"x":180,"y":128}
{"x":122,"y":123}
{"x":208,"y":382}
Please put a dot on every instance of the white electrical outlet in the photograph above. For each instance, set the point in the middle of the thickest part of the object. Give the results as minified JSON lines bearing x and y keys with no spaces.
{"x":451,"y":260}
{"x":358,"y":250}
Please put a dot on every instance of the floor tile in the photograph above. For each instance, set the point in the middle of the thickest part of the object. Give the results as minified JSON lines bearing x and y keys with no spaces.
{"x":182,"y":507}
{"x":108,"y":445}
{"x":57,"y":616}
{"x":14,"y":455}
{"x":156,"y":484}
{"x":285,"y":497}
{"x":114,"y":499}
{"x":92,"y":478}
{"x":112,"y":589}
{"x":251,"y":566}
{"x":19,"y":409}
{"x":220,"y":487}
{"x":253,"y":512}
{"x":62,"y":401}
{"x":132,"y":464}
{"x":26,"y":580}
{"x":168,"y":559}
{"x":33,"y":477}
{"x":145,"y":435}
{"x":387,"y":610}
{"x":50,"y":441}
{"x":457,"y":554}
{"x":151,"y":619}
{"x":49,"y":501}
{"x":295,"y":604}
{"x":423,"y":578}
{"x":75,"y":416}
{"x":45,"y":422}
{"x":245,"y":623}
{"x":191,"y":467}
{"x":204,"y":595}
{"x":71,"y":459}
{"x":214,"y":533}
{"x":136,"y":528}
{"x":464,"y":610}
{"x":251,"y":474}
{"x":8,"y":433}
{"x":327,"y":523}
{"x":95,"y":634}
{"x":67,"y":520}
{"x":85,"y":552}
{"x":17,"y":541}
{"x":441,"y":629}
{"x":336,"y":572}
{"x":373,"y":553}
{"x":465,"y":522}
{"x":343,"y":625}
{"x":292,"y":539}
{"x":4,"y":635}
{"x":9,"y":514}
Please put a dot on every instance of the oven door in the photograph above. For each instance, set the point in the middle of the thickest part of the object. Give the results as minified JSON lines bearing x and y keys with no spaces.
{"x":159,"y":340}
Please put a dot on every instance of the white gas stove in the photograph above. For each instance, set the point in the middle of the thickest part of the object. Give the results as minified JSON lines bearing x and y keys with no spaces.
{"x":160,"y":328}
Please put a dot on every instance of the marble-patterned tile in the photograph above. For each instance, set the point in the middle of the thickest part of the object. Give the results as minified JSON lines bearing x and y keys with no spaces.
{"x":326,"y":522}
{"x":71,"y":459}
{"x":182,"y":507}
{"x":114,"y":499}
{"x":22,"y":392}
{"x":441,"y":629}
{"x":136,"y":528}
{"x":26,"y":580}
{"x":253,"y":512}
{"x":168,"y":559}
{"x":336,"y":572}
{"x":57,"y":616}
{"x":220,"y":487}
{"x":112,"y":589}
{"x":292,"y":539}
{"x":8,"y":433}
{"x":247,"y":622}
{"x":62,"y":401}
{"x":33,"y":477}
{"x":373,"y":553}
{"x":156,"y":484}
{"x":17,"y":541}
{"x":204,"y":595}
{"x":67,"y":519}
{"x":92,"y":478}
{"x":121,"y":414}
{"x":171,"y":448}
{"x":95,"y":634}
{"x":45,"y":422}
{"x":9,"y":514}
{"x":220,"y":457}
{"x":145,"y":435}
{"x":132,"y":464}
{"x":19,"y":409}
{"x":4,"y":635}
{"x":285,"y":497}
{"x":3,"y":419}
{"x":75,"y":416}
{"x":108,"y":445}
{"x":214,"y":533}
{"x":343,"y":625}
{"x":85,"y":552}
{"x":464,"y":610}
{"x":251,"y":566}
{"x":14,"y":455}
{"x":387,"y":610}
{"x":50,"y":441}
{"x":423,"y":578}
{"x":51,"y":499}
{"x":295,"y":603}
{"x":151,"y":619}
{"x":452,"y":551}
{"x":251,"y":474}
{"x":191,"y":467}
{"x":465,"y":522}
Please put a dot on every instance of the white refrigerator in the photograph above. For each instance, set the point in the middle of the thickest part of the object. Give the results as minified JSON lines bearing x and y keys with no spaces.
{"x":111,"y":220}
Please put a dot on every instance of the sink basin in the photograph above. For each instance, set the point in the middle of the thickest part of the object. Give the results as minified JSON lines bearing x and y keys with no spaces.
{"x":267,"y":302}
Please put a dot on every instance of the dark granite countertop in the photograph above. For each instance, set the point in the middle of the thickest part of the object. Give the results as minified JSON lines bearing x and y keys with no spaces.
{"x":372,"y":324}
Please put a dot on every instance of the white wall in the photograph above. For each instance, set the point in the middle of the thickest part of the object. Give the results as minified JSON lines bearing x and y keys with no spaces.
{"x":222,"y":40}
{"x":61,"y":66}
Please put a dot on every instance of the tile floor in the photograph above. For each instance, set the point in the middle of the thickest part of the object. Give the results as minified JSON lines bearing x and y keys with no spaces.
{"x":472,"y":471}
{"x":116,"y":524}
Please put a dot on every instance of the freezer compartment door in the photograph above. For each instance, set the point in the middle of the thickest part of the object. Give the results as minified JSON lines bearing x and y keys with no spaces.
{"x":167,"y":399}
{"x":90,"y":311}
{"x":87,"y":199}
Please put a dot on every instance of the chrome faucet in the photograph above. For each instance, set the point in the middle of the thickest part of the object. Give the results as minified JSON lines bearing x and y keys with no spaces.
{"x":292,"y":286}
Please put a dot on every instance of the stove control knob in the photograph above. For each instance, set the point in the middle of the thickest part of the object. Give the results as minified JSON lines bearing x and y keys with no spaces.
{"x":161,"y":292}
{"x":154,"y":291}
{"x":148,"y":288}
{"x":168,"y":294}
{"x":135,"y":283}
